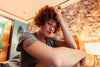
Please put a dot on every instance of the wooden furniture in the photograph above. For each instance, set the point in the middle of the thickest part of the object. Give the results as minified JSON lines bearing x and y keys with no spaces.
{"x":5,"y":42}
{"x":77,"y":41}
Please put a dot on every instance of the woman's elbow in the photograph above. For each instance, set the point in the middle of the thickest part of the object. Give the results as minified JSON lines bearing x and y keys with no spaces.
{"x":56,"y":61}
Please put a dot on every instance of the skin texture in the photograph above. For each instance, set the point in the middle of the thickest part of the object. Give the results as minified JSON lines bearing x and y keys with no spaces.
{"x":65,"y":54}
{"x":30,"y":41}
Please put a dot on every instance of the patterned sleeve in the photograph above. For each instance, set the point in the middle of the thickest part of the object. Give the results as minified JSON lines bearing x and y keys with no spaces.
{"x":22,"y":37}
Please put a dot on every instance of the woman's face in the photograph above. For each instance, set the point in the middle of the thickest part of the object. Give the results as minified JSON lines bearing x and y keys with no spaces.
{"x":48,"y":28}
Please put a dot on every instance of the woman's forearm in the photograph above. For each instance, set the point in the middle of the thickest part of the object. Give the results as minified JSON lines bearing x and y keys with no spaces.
{"x":70,"y":57}
{"x":67,"y":35}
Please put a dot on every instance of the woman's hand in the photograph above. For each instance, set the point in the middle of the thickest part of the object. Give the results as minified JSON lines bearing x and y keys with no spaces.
{"x":70,"y":57}
{"x":59,"y":14}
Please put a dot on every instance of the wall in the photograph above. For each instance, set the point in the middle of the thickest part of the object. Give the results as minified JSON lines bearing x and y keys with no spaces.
{"x":83,"y":19}
{"x":18,"y":28}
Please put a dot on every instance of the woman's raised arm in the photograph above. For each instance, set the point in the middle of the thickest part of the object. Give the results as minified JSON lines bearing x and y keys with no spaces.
{"x":66,"y":33}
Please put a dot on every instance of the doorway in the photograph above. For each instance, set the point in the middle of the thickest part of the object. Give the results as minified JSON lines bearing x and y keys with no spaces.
{"x":5,"y":33}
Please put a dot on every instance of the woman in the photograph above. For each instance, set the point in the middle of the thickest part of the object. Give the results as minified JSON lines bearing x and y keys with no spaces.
{"x":40,"y":50}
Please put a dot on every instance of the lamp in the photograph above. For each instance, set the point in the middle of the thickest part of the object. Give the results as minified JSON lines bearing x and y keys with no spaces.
{"x":93,"y":49}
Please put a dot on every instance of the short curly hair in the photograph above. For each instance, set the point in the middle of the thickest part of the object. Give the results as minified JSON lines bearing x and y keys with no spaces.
{"x":44,"y":14}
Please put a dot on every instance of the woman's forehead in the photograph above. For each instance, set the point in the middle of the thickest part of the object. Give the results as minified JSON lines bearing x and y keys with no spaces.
{"x":52,"y":21}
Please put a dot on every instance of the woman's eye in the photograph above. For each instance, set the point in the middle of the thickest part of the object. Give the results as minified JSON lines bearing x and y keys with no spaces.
{"x":49,"y":23}
{"x":55,"y":27}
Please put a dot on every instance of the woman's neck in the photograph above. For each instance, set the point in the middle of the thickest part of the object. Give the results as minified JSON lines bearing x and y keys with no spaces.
{"x":41,"y":36}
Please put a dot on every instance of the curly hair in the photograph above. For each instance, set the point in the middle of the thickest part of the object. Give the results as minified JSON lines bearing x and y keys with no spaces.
{"x":46,"y":13}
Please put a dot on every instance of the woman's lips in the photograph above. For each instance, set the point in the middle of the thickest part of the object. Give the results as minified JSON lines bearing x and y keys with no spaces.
{"x":49,"y":33}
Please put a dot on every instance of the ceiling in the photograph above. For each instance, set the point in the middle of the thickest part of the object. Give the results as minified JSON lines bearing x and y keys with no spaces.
{"x":24,"y":10}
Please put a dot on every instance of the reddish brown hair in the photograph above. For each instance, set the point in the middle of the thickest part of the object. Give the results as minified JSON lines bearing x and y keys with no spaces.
{"x":44,"y":14}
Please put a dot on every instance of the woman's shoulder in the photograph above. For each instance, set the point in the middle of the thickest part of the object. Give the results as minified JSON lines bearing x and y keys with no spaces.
{"x":22,"y":38}
{"x":52,"y":38}
{"x":27,"y":34}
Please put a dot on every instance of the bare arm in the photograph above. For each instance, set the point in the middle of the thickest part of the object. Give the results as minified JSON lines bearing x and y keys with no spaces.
{"x":67,"y":35}
{"x":52,"y":57}
{"x":39,"y":50}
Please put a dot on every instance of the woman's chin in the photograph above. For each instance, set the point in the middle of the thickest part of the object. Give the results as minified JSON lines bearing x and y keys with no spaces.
{"x":48,"y":35}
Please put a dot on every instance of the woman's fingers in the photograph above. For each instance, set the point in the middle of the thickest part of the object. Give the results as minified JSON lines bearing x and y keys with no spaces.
{"x":58,"y":11}
{"x":83,"y":56}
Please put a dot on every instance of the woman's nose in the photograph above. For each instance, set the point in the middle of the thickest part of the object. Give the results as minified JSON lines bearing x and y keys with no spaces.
{"x":52,"y":28}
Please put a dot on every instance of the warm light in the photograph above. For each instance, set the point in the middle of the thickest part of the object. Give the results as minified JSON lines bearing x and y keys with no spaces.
{"x":6,"y":31}
{"x":83,"y":35}
{"x":0,"y":30}
{"x":93,"y":48}
{"x":10,"y":23}
{"x":3,"y":19}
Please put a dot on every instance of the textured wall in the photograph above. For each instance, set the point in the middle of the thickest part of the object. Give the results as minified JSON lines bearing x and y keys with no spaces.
{"x":83,"y":19}
{"x":31,"y":27}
